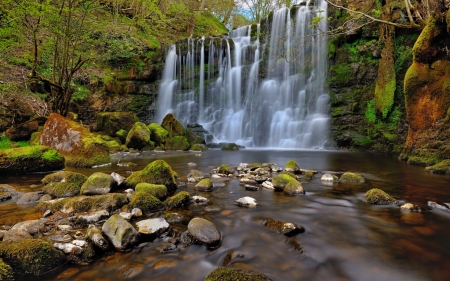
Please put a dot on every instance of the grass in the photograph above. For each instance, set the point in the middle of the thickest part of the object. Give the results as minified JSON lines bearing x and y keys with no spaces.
{"x":5,"y":143}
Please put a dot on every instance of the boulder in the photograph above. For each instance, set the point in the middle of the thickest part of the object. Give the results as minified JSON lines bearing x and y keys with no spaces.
{"x":195,"y":176}
{"x":112,"y":122}
{"x":94,"y":234}
{"x":157,"y":172}
{"x":194,"y":138}
{"x":76,"y":143}
{"x":292,"y":167}
{"x":120,"y":232}
{"x":205,"y":185}
{"x":231,"y":274}
{"x":33,"y":256}
{"x":139,"y":137}
{"x":91,"y":217}
{"x":281,"y":180}
{"x":30,"y":159}
{"x":158,"y":134}
{"x":225,"y":169}
{"x":173,"y":126}
{"x":157,"y":190}
{"x":177,"y":143}
{"x":198,"y":147}
{"x":230,"y":147}
{"x":351,"y":177}
{"x":146,"y":202}
{"x":247,"y":202}
{"x":63,"y":183}
{"x":29,"y":198}
{"x":97,"y":184}
{"x":205,"y":232}
{"x":154,"y":227}
{"x":180,"y":199}
{"x":379,"y":197}
{"x":22,"y":131}
{"x":293,"y":187}
{"x":6,"y":271}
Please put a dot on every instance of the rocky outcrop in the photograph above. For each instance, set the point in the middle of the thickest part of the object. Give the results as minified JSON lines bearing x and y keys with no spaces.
{"x":22,"y":131}
{"x":112,"y":122}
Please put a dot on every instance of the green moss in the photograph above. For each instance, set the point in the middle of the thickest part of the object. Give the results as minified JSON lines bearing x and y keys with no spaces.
{"x":35,"y":138}
{"x":31,"y":152}
{"x":157,"y":190}
{"x":177,"y":143}
{"x":178,"y":200}
{"x":230,"y":146}
{"x":6,"y":272}
{"x":94,"y":151}
{"x":33,"y":256}
{"x":232,"y":274}
{"x":52,"y":155}
{"x":122,"y":135}
{"x":63,"y":183}
{"x":442,"y":167}
{"x":332,"y":47}
{"x":423,"y":160}
{"x":138,"y":137}
{"x":158,"y":134}
{"x":173,"y":126}
{"x":341,"y":74}
{"x":146,"y":202}
{"x":378,"y":196}
{"x":351,"y":177}
{"x":281,"y":180}
{"x":292,"y":165}
{"x":196,"y":147}
{"x":225,"y":169}
{"x":157,"y":172}
{"x":5,"y":143}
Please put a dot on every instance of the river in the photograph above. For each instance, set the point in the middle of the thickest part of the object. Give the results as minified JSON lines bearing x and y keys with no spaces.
{"x":345,"y":238}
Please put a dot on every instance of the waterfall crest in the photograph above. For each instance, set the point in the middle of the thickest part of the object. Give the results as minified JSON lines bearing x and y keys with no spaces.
{"x":255,"y":88}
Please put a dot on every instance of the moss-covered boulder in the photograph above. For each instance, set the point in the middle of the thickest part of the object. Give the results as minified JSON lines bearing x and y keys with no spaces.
{"x":177,"y":143}
{"x":22,"y":131}
{"x":63,"y":183}
{"x":225,"y":169}
{"x":31,"y":159}
{"x":292,"y":167}
{"x":293,"y":187}
{"x":120,"y":233}
{"x":6,"y":271}
{"x":157,"y":172}
{"x":79,"y":204}
{"x":111,"y":122}
{"x":231,"y":274}
{"x":139,"y":137}
{"x":33,"y":256}
{"x":194,"y":138}
{"x":442,"y":167}
{"x":281,"y":180}
{"x":180,"y":199}
{"x":146,"y":202}
{"x":173,"y":126}
{"x":76,"y":143}
{"x":158,"y":134}
{"x":98,"y":184}
{"x":230,"y":147}
{"x":351,"y":177}
{"x":204,"y":185}
{"x":198,"y":147}
{"x":157,"y":190}
{"x":379,"y":197}
{"x":122,"y":135}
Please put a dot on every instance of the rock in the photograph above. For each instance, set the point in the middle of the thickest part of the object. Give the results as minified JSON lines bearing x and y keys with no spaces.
{"x":379,"y":197}
{"x":47,"y":214}
{"x":6,"y":271}
{"x":64,"y":228}
{"x":293,"y":187}
{"x":30,"y":159}
{"x":122,"y":135}
{"x":262,"y":171}
{"x":139,"y":137}
{"x":329,"y":178}
{"x":251,"y":187}
{"x":198,"y":148}
{"x":154,"y":227}
{"x":410,"y":207}
{"x":32,"y":227}
{"x":97,"y":184}
{"x":7,"y":192}
{"x":146,"y":202}
{"x":285,"y":228}
{"x":205,"y":185}
{"x":126,"y":215}
{"x":172,"y":125}
{"x":79,"y":235}
{"x":112,"y":122}
{"x":16,"y":235}
{"x":120,"y":232}
{"x":118,"y":178}
{"x":224,"y":169}
{"x":231,"y":274}
{"x":281,"y":180}
{"x":173,"y":217}
{"x":91,"y":217}
{"x":442,"y":206}
{"x":177,"y":143}
{"x":247,"y":202}
{"x":260,"y":179}
{"x":166,"y":248}
{"x":78,"y":251}
{"x":33,"y":256}
{"x":199,"y":199}
{"x":268,"y":185}
{"x":275,"y":168}
{"x":29,"y":198}
{"x":136,"y":212}
{"x":157,"y":172}
{"x":195,"y":176}
{"x":191,"y":164}
{"x":157,"y":190}
{"x":63,"y":183}
{"x":248,"y":180}
{"x":158,"y":134}
{"x":292,"y":167}
{"x":45,"y":197}
{"x":178,"y":200}
{"x":22,"y":131}
{"x":67,"y":248}
{"x":76,"y":143}
{"x":94,"y":234}
{"x":200,"y":131}
{"x":230,"y":147}
{"x":187,"y":239}
{"x":205,"y":232}
{"x":351,"y":177}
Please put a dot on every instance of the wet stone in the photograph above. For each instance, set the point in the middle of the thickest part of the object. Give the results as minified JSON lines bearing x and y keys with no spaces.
{"x":205,"y":232}
{"x":167,"y":248}
{"x":5,"y":196}
{"x":286,"y":228}
{"x":153,"y":226}
{"x":247,"y":202}
{"x":232,"y":256}
{"x":251,"y":187}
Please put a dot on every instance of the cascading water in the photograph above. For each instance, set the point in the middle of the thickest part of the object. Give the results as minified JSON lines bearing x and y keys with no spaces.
{"x":255,"y":90}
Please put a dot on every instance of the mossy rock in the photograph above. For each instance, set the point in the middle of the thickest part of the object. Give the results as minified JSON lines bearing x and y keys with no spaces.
{"x":197,"y":147}
{"x":158,"y":134}
{"x":22,"y":131}
{"x":173,"y":126}
{"x":33,"y":256}
{"x":35,"y":138}
{"x":292,"y":166}
{"x":157,"y":190}
{"x":194,"y":138}
{"x":177,"y":143}
{"x":138,"y":137}
{"x":146,"y":202}
{"x":379,"y":197}
{"x":232,"y":274}
{"x":30,"y":159}
{"x":293,"y":187}
{"x":442,"y":167}
{"x":225,"y":169}
{"x":180,"y":199}
{"x":6,"y":271}
{"x":204,"y":185}
{"x":351,"y":177}
{"x":122,"y":135}
{"x":157,"y":172}
{"x":79,"y":204}
{"x":63,"y":183}
{"x":281,"y":180}
{"x":230,"y":147}
{"x":254,"y":166}
{"x":111,"y":122}
{"x":113,"y":145}
{"x":97,"y":184}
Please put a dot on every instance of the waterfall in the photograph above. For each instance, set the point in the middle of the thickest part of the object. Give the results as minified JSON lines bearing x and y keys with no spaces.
{"x":257,"y":88}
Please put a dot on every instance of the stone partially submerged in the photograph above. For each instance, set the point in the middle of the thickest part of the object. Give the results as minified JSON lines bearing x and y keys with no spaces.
{"x":379,"y":197}
{"x":157,"y":172}
{"x":232,"y":274}
{"x":205,"y":232}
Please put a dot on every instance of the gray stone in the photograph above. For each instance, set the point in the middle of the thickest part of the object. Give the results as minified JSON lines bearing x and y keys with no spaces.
{"x":136,"y":212}
{"x":94,"y":234}
{"x":118,"y":178}
{"x":92,"y":217}
{"x":199,"y":199}
{"x":98,"y":184}
{"x":126,"y":215}
{"x":120,"y":232}
{"x":195,"y":176}
{"x":268,"y":185}
{"x":205,"y":232}
{"x":30,"y":198}
{"x":246,"y":202}
{"x":153,"y":226}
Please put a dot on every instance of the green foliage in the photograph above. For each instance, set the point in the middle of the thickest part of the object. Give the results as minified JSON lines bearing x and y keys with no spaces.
{"x":5,"y":143}
{"x":81,"y":92}
{"x":378,"y":9}
{"x":341,"y":74}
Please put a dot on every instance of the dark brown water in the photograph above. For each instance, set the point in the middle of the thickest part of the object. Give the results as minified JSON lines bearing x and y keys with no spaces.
{"x":345,"y":238}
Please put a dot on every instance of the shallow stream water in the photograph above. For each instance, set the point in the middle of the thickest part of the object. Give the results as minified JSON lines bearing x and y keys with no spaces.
{"x":345,"y":238}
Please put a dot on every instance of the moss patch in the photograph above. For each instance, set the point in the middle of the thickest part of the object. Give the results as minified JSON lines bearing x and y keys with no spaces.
{"x":146,"y":202}
{"x":33,"y":256}
{"x":158,"y":134}
{"x":138,"y":137}
{"x":379,"y":197}
{"x":157,"y":190}
{"x":157,"y":172}
{"x":225,"y":169}
{"x":177,"y":143}
{"x":442,"y":167}
{"x":292,"y":166}
{"x":232,"y":274}
{"x":63,"y":183}
{"x":351,"y":177}
{"x":6,"y":272}
{"x":281,"y":180}
{"x":178,"y":200}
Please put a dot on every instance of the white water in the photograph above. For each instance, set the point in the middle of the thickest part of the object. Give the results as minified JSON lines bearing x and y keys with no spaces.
{"x":286,"y":108}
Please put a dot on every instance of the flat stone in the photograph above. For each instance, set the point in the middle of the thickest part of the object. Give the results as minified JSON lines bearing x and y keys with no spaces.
{"x":153,"y":226}
{"x":246,"y":202}
{"x":93,"y":217}
{"x":126,"y":216}
{"x":251,"y":187}
{"x":268,"y":185}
